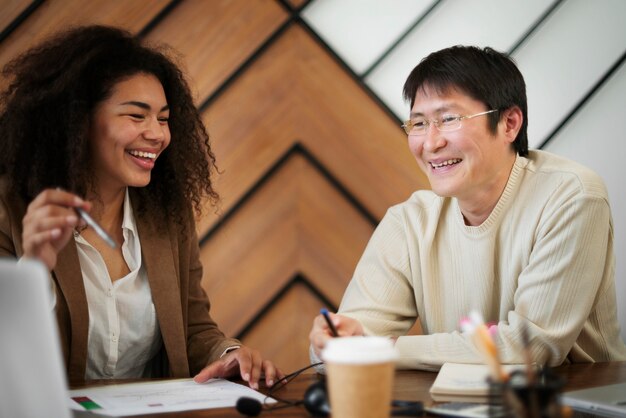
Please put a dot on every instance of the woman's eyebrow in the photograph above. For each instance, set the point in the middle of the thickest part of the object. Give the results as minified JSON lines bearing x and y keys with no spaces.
{"x":143,"y":105}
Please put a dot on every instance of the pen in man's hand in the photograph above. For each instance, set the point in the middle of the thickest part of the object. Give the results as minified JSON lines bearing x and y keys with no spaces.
{"x":99,"y":230}
{"x":331,"y":326}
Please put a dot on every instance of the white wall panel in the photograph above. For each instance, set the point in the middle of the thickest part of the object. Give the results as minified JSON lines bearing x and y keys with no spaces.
{"x":566,"y":56}
{"x":360,"y":31}
{"x":495,"y":23}
{"x":596,"y":138}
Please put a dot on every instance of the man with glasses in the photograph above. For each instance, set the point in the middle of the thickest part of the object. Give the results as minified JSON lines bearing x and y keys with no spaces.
{"x":524,"y":238}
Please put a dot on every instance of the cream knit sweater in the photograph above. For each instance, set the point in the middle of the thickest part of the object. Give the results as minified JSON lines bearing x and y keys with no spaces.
{"x":543,"y":258}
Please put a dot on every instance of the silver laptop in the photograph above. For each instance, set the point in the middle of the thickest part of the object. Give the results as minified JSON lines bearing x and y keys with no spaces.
{"x":32,"y":380}
{"x":609,"y":401}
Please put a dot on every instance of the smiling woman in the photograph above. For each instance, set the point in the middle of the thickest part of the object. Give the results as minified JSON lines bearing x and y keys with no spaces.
{"x":53,"y":93}
{"x":94,"y":120}
{"x":129,"y":131}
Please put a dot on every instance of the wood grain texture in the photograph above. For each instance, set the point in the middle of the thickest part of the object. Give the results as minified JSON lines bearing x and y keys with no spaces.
{"x":215,"y":37}
{"x":296,"y":92}
{"x":55,"y":15}
{"x":10,"y":10}
{"x":296,"y":223}
{"x":283,"y":336}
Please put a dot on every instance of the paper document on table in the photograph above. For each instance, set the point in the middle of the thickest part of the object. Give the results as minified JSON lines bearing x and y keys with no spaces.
{"x":162,"y":396}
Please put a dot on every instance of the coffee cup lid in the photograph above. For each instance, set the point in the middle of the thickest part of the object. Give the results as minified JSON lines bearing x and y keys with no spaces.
{"x":359,"y":350}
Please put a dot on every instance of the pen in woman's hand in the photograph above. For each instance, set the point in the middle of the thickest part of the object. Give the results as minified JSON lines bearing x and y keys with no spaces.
{"x":99,"y":230}
{"x":331,"y":326}
{"x":96,"y":227}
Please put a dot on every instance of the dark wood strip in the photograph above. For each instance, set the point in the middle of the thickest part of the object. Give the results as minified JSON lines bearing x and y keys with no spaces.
{"x":14,"y":13}
{"x":581,"y":103}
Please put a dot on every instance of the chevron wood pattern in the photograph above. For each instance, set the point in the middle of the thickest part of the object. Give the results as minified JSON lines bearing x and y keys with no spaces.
{"x":219,"y":35}
{"x":282,"y":335}
{"x":296,"y":91}
{"x":294,"y":223}
{"x":309,"y":161}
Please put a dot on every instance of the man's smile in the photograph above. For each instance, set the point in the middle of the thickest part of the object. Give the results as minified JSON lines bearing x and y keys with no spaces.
{"x":440,"y":164}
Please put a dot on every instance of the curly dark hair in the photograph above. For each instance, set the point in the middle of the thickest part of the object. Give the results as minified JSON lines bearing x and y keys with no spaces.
{"x":46,"y":109}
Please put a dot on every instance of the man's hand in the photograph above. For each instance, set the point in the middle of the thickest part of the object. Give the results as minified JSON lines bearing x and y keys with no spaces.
{"x":244,"y":361}
{"x":321,"y":333}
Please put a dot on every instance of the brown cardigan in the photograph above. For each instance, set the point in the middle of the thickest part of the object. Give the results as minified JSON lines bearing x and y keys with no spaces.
{"x":191,"y":339}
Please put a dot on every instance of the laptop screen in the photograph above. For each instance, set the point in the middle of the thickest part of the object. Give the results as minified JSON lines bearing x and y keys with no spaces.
{"x":609,"y":400}
{"x":32,"y":380}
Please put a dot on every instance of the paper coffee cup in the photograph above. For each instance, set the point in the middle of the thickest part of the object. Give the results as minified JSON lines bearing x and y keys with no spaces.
{"x":360,"y":374}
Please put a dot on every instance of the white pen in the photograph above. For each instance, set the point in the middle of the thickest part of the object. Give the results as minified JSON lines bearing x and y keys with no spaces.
{"x":99,"y":230}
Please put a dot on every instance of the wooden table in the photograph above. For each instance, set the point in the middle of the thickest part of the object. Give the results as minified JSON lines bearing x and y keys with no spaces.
{"x":412,"y":386}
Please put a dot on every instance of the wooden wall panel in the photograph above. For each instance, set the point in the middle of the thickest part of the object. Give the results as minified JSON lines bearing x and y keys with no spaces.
{"x":283,"y":336}
{"x":296,"y":4}
{"x":296,"y":222}
{"x":11,"y":9}
{"x":364,"y":148}
{"x":248,"y":260}
{"x":217,"y":36}
{"x":251,"y":126}
{"x":332,"y":233}
{"x":55,"y":15}
{"x":295,"y":91}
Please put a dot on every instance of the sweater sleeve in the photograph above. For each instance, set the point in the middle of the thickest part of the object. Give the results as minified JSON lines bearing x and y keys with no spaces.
{"x":380,"y":294}
{"x":569,"y":272}
{"x":567,"y":275}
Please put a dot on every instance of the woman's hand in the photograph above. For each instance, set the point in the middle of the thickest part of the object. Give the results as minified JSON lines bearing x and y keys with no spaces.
{"x":245,"y":362}
{"x":321,"y":333}
{"x":49,"y":223}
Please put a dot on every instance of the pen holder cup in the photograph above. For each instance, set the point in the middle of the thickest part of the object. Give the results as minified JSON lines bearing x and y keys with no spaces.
{"x":519,"y":398}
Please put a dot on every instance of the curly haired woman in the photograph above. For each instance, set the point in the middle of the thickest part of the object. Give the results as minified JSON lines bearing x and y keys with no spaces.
{"x":94,"y":119}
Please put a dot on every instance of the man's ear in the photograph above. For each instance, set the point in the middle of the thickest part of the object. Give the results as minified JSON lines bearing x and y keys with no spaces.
{"x":511,"y":120}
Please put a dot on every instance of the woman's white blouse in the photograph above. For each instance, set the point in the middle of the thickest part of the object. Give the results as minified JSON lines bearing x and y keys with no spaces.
{"x":124,"y":332}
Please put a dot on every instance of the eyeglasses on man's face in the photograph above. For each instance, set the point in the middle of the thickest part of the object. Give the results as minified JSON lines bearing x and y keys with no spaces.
{"x":446,"y":123}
